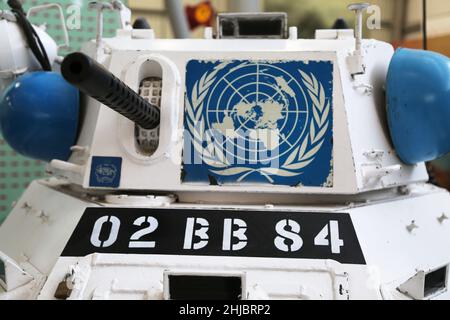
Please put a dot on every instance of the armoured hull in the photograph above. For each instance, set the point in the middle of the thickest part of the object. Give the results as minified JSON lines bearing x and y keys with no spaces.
{"x":239,"y":166}
{"x":392,"y":247}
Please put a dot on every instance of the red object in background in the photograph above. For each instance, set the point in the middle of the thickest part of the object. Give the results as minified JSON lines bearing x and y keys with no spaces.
{"x":412,"y":44}
{"x":439,"y":44}
{"x":201,"y":14}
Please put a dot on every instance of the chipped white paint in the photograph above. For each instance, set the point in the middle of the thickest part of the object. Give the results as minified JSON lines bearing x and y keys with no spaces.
{"x":401,"y":223}
{"x":391,"y":252}
{"x":357,"y":125}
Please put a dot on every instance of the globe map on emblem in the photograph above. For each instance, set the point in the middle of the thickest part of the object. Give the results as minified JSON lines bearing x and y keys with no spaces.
{"x":260,"y":109}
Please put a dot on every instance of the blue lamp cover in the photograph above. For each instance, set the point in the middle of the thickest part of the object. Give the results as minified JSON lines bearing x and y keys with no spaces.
{"x":39,"y":116}
{"x":418,"y":105}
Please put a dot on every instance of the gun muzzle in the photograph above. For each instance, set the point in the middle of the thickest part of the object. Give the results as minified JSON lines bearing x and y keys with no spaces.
{"x":94,"y":80}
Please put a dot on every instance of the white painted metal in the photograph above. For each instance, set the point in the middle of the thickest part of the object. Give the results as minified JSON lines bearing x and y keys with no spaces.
{"x":359,"y":125}
{"x":393,"y":253}
{"x":401,"y":223}
{"x":15,"y":56}
{"x":139,"y":201}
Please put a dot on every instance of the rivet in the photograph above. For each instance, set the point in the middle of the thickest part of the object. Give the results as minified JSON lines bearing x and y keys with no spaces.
{"x":412,"y":226}
{"x":442,"y":218}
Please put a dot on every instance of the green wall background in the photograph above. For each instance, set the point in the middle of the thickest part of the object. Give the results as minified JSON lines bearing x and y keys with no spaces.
{"x":16,"y":172}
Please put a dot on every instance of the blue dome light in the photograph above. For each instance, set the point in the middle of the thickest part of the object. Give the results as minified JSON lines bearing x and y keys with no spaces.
{"x":39,"y":116}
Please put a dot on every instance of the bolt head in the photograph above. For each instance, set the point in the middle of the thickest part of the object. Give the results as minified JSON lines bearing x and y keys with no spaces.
{"x":361,"y":6}
{"x":442,"y":218}
{"x":100,"y":5}
{"x":412,"y":227}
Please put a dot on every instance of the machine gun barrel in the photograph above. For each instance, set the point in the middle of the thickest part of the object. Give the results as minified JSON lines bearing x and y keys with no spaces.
{"x":94,"y":80}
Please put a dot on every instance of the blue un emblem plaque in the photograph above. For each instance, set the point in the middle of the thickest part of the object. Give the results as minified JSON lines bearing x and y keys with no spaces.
{"x":259,"y":122}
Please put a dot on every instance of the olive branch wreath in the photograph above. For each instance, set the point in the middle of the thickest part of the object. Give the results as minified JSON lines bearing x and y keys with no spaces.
{"x":298,"y":159}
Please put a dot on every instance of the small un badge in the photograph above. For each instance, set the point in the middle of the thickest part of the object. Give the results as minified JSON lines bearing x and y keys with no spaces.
{"x":259,"y":122}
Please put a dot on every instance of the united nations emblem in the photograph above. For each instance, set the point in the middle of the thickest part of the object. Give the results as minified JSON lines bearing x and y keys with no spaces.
{"x":259,"y":122}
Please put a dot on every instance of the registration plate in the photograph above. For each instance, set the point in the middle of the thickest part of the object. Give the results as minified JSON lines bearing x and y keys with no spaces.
{"x":265,"y":234}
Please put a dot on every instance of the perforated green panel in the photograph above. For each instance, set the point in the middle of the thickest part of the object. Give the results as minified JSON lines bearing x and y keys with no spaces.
{"x":17,"y":172}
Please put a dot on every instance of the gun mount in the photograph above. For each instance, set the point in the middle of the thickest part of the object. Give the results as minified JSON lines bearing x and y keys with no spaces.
{"x":94,"y":80}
